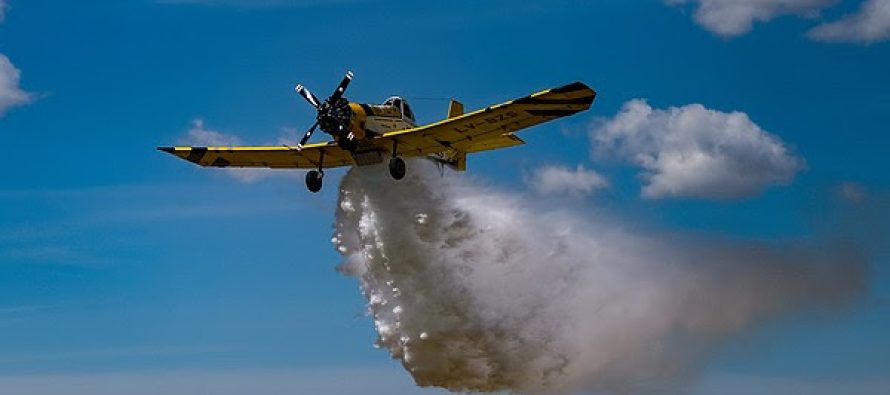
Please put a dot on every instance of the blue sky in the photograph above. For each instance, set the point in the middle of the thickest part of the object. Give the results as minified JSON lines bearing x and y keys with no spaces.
{"x":119,"y":264}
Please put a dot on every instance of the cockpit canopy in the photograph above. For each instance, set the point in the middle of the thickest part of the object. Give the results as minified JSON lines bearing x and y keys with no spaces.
{"x":401,"y":105}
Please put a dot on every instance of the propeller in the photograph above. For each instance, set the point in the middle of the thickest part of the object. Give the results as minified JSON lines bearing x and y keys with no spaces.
{"x":338,"y":93}
{"x":308,"y":96}
{"x":307,"y":135}
{"x":332,"y":113}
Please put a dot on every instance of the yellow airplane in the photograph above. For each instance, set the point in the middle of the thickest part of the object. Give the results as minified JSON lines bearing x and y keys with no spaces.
{"x":364,"y":134}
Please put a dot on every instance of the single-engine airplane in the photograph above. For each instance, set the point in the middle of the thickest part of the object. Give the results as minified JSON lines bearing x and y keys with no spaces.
{"x":364,"y":134}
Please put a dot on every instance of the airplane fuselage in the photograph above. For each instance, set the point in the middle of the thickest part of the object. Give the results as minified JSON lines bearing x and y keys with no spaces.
{"x":378,"y":119}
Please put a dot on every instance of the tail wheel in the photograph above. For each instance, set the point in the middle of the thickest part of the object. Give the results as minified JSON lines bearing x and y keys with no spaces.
{"x":313,"y":180}
{"x":397,"y":168}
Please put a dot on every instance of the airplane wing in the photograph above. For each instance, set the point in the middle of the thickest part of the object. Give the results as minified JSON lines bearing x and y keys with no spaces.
{"x":275,"y":157}
{"x":485,"y":129}
{"x":490,"y":127}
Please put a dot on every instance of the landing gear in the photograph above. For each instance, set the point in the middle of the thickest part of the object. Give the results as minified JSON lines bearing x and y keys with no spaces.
{"x":314,"y":177}
{"x":313,"y":180}
{"x":396,"y":164}
{"x":397,"y":168}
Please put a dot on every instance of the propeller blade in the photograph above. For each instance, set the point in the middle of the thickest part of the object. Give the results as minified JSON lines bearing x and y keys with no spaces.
{"x":307,"y":95}
{"x":338,"y":93}
{"x":307,"y":135}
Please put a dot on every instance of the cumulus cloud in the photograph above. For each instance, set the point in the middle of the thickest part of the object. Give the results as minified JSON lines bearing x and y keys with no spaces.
{"x":871,"y":23}
{"x":11,"y":94}
{"x":730,"y":18}
{"x":198,"y":135}
{"x":693,"y":151}
{"x":475,"y":289}
{"x":560,"y":180}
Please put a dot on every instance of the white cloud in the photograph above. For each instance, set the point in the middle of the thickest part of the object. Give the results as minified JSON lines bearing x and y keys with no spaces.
{"x":10,"y":93}
{"x":560,"y":180}
{"x":871,"y":23}
{"x":730,"y":18}
{"x":198,"y":135}
{"x":693,"y":151}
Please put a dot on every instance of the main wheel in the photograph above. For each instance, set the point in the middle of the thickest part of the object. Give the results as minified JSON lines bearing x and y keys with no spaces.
{"x":397,"y":168}
{"x":313,"y":180}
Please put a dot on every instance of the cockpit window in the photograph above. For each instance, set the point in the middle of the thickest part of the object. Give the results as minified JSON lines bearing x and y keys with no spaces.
{"x":400,"y":105}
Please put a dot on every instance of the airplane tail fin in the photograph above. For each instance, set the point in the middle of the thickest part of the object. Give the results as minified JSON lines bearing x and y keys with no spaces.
{"x":455,"y":109}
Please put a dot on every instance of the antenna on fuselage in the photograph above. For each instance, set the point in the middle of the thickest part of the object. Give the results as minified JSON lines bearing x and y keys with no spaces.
{"x":427,"y":98}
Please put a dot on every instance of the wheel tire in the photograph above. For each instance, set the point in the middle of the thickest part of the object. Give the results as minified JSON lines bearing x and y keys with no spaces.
{"x":397,"y":168}
{"x":313,"y":180}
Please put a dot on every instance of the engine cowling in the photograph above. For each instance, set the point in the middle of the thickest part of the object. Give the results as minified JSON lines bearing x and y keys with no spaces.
{"x":357,"y":121}
{"x":343,"y":118}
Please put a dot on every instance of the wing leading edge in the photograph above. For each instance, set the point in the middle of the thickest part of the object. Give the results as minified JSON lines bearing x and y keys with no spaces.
{"x":274,"y":157}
